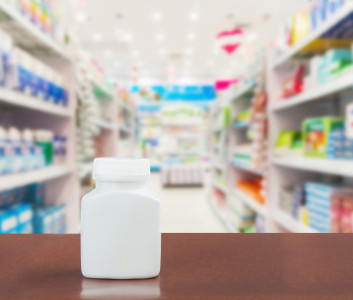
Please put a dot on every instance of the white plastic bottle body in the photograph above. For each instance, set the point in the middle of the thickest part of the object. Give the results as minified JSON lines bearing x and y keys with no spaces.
{"x":120,"y":232}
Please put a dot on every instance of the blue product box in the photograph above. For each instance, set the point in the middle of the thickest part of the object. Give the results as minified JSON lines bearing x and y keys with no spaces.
{"x":50,"y":96}
{"x":24,"y":80}
{"x":8,"y":222}
{"x":42,"y":221}
{"x":24,"y":216}
{"x":35,"y":85}
{"x":36,"y":194}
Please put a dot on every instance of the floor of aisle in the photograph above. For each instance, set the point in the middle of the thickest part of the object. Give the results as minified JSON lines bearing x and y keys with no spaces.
{"x":185,"y":210}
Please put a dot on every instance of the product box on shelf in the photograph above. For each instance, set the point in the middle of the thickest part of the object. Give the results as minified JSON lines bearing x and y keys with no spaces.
{"x":8,"y":222}
{"x":23,"y":213}
{"x":316,"y":134}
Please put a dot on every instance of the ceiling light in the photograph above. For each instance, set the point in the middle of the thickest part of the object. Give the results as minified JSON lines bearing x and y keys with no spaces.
{"x":81,"y":17}
{"x":191,"y":36}
{"x":128,"y":37}
{"x":251,"y":37}
{"x":216,"y":51}
{"x":159,"y":36}
{"x":108,"y":53}
{"x":96,"y":37}
{"x":135,"y":53}
{"x":188,"y":51}
{"x":162,"y":52}
{"x":156,"y":16}
{"x":193,"y":16}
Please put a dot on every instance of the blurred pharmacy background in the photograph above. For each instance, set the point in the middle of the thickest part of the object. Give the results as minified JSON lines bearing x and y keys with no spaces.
{"x":244,"y":108}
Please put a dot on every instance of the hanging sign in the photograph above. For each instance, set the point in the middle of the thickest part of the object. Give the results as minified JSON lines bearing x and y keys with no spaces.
{"x":230,"y":41}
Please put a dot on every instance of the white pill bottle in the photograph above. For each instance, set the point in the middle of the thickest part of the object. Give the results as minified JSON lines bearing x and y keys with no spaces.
{"x":120,"y":222}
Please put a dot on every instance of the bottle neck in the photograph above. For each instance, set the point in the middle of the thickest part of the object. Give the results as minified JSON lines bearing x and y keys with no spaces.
{"x":120,"y":185}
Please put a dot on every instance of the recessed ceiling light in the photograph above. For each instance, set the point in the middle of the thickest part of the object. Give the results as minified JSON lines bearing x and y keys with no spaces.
{"x":194,"y":16}
{"x":251,"y":37}
{"x":81,"y":17}
{"x":135,"y":53}
{"x":191,"y":36}
{"x":96,"y":37}
{"x":189,"y":51}
{"x":108,"y":53}
{"x":128,"y":37}
{"x":162,"y":52}
{"x":216,"y":51}
{"x":156,"y":16}
{"x":159,"y":36}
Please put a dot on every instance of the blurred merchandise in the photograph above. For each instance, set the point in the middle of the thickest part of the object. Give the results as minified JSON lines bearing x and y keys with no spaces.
{"x":22,"y":210}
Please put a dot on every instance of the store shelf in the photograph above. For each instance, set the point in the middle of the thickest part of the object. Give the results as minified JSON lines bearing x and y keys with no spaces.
{"x":182,"y":123}
{"x":242,"y":91}
{"x":257,"y":207}
{"x":334,"y":21}
{"x":108,"y":94}
{"x":218,"y":165}
{"x":326,"y":166}
{"x":11,"y":181}
{"x":317,"y":93}
{"x":125,"y":129}
{"x":26,"y":34}
{"x":246,"y":167}
{"x":222,"y":216}
{"x":240,"y":126}
{"x":126,"y":107}
{"x":105,"y":125}
{"x":220,"y":187}
{"x":290,"y":224}
{"x":15,"y":98}
{"x":182,"y":153}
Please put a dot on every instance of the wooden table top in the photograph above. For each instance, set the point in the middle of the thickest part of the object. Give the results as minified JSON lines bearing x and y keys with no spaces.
{"x":194,"y":266}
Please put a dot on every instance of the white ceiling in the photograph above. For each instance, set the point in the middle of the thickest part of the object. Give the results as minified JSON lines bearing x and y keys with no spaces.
{"x":118,"y":20}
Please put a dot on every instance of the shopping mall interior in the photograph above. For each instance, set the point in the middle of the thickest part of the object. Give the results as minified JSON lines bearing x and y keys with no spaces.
{"x":243,"y":108}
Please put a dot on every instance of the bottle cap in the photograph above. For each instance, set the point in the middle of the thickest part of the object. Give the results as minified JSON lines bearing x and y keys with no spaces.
{"x":14,"y":134}
{"x":122,"y":169}
{"x":27,"y":135}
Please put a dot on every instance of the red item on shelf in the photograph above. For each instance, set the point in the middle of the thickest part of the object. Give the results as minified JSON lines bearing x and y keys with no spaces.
{"x":295,"y":84}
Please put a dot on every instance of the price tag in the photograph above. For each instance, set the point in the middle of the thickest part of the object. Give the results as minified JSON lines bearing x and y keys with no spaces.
{"x":349,"y":121}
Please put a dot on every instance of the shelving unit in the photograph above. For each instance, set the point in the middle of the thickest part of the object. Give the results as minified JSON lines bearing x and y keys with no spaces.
{"x":341,"y":16}
{"x":288,"y":114}
{"x":13,"y":98}
{"x":46,"y":174}
{"x":29,"y":37}
{"x":257,"y":207}
{"x":318,"y":93}
{"x":61,"y":184}
{"x":182,"y":158}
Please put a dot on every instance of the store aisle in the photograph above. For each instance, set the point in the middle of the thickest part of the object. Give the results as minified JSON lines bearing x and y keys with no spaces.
{"x":185,"y":210}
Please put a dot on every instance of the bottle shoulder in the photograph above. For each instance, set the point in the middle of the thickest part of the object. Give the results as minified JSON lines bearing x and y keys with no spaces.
{"x":144,"y":193}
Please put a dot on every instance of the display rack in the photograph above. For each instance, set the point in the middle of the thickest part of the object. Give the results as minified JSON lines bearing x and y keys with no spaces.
{"x":61,"y":185}
{"x":181,"y":145}
{"x":321,"y":99}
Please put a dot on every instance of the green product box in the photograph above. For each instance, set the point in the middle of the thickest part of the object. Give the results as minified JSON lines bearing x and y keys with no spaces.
{"x":315,"y":135}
